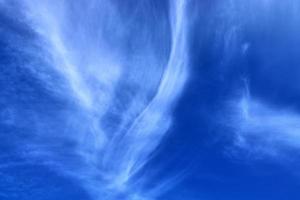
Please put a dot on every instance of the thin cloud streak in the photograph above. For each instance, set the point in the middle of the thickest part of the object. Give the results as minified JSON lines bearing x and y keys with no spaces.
{"x":264,"y":128}
{"x":122,"y":99}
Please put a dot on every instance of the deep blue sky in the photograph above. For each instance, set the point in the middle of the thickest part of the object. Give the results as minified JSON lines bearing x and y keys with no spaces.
{"x":235,"y":132}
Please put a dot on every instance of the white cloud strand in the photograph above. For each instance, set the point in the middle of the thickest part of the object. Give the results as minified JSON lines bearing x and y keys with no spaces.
{"x":265,"y":128}
{"x":114,"y":135}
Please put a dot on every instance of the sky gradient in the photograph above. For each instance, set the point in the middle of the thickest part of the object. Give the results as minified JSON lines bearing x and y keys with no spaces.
{"x":149,"y":100}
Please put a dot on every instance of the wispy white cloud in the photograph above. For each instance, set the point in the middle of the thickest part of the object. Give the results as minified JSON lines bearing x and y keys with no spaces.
{"x":121,"y":87}
{"x":262,"y":127}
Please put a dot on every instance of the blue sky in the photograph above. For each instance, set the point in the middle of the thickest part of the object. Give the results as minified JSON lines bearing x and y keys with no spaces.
{"x":149,"y":100}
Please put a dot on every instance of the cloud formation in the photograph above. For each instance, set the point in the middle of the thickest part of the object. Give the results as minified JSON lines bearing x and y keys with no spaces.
{"x":263,"y":127}
{"x":120,"y":73}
